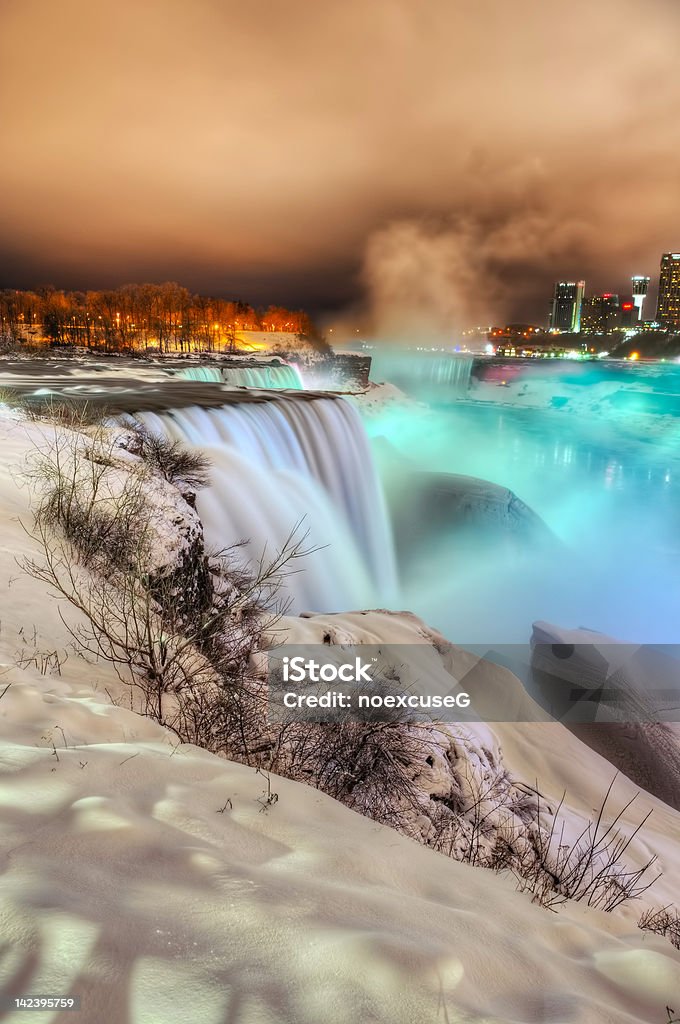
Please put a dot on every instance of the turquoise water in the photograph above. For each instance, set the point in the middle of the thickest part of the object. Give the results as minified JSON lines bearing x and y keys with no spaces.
{"x":608,"y":488}
{"x":580,"y":473}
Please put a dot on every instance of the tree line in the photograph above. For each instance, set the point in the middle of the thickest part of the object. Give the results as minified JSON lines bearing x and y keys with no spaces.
{"x":151,"y":317}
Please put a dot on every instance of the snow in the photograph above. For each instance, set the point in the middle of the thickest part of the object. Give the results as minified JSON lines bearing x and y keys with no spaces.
{"x":268,"y":340}
{"x":147,"y":878}
{"x":379,"y":398}
{"x":621,"y":407}
{"x":125,"y":884}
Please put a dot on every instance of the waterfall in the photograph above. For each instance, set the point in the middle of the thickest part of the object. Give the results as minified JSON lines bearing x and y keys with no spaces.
{"x":204,"y":374}
{"x":453,"y":373}
{"x":441,"y":374}
{"x":286,"y":460}
{"x":268,"y":375}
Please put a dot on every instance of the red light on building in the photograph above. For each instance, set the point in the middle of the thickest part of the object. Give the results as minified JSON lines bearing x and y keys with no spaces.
{"x":626,"y":305}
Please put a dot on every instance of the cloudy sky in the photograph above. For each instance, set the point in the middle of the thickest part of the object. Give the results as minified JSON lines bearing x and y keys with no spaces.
{"x":459,"y":154}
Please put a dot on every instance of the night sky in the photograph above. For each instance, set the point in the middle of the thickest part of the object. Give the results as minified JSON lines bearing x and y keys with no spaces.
{"x":435,"y":157}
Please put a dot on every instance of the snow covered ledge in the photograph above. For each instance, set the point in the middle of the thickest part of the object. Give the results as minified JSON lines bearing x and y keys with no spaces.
{"x":148,"y":879}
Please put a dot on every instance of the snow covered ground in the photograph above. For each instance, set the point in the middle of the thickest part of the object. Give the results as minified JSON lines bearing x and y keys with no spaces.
{"x":154,"y":881}
{"x":638,"y":408}
{"x":378,"y":398}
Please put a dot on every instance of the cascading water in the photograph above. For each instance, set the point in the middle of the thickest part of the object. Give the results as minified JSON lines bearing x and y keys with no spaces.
{"x":423,"y":373}
{"x":205,"y":374}
{"x":286,"y":461}
{"x":269,"y":376}
{"x":282,"y":376}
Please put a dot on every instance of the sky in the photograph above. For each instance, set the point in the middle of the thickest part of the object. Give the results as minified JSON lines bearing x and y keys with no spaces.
{"x":420,"y":159}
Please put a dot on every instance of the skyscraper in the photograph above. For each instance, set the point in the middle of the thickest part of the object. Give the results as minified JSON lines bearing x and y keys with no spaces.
{"x":640,"y":286}
{"x":668,"y":309}
{"x":602,"y":314}
{"x":565,"y":312}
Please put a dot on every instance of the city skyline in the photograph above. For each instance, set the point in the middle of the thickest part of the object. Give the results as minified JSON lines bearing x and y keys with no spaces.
{"x":571,"y":303}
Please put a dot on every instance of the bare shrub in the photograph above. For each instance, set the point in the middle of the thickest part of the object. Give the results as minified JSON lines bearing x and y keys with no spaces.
{"x":479,"y":824}
{"x":10,"y":397}
{"x":662,"y":921}
{"x":74,"y":415}
{"x":183,"y":638}
{"x":589,"y":869}
{"x":99,"y":513}
{"x":370,"y":766}
{"x":493,"y":826}
{"x":172,"y":459}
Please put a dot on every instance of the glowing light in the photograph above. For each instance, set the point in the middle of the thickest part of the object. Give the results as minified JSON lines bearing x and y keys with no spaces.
{"x":634,"y":356}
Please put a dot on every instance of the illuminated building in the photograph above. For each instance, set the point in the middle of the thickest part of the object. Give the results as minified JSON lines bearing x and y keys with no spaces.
{"x":668,"y":309}
{"x":565,"y":312}
{"x":602,"y":314}
{"x":640,"y":286}
{"x":629,"y":312}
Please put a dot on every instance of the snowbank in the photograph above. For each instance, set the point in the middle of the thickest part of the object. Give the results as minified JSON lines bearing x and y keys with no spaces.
{"x":378,"y":398}
{"x":153,"y":880}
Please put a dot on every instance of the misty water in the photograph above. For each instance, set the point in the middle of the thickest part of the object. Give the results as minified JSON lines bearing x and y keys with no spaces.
{"x":607,"y":485}
{"x":285,"y":469}
{"x":597,"y":458}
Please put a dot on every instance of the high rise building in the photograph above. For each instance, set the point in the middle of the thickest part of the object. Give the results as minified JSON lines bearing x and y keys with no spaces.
{"x":668,"y":309}
{"x":640,"y":286}
{"x":601,"y":314}
{"x":565,"y":311}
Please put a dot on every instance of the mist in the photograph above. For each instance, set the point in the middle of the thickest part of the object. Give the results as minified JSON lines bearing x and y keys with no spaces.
{"x":609,"y":500}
